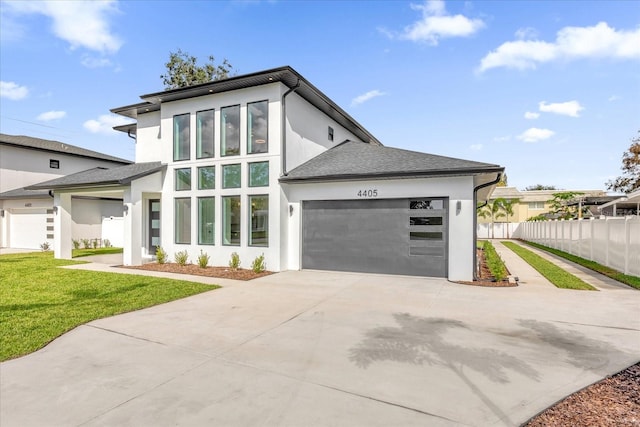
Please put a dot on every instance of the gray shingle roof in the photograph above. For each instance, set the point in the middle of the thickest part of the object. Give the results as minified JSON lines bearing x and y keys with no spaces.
{"x":56,"y":147}
{"x":356,"y":160}
{"x":21,"y":193}
{"x":122,"y":175}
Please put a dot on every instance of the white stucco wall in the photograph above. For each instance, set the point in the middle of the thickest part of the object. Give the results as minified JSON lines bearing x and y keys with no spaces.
{"x":87,"y":216}
{"x":457,"y":189}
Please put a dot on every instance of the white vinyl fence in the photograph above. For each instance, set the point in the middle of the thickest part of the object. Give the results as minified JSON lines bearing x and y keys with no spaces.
{"x":614,"y":242}
{"x":498,"y":230}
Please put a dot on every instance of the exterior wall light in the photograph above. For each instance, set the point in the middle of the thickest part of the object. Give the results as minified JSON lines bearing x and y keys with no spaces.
{"x":125,"y":209}
{"x":55,"y":210}
{"x":1,"y":213}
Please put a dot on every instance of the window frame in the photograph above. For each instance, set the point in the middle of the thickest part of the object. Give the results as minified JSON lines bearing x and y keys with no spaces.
{"x":54,"y":164}
{"x":212,"y":111}
{"x":175,"y":220}
{"x":176,"y":174}
{"x":223,"y":140}
{"x":200,"y":228}
{"x":224,"y":167}
{"x":250,"y":222}
{"x":176,"y":141}
{"x":200,"y":187}
{"x":249,"y":173}
{"x":250,"y":142}
{"x":224,"y":222}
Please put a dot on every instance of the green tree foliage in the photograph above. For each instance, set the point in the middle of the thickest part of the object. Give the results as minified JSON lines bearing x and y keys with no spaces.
{"x":559,"y":204}
{"x":491,"y":210}
{"x":183,"y":70}
{"x":507,"y":205}
{"x":503,"y":181}
{"x":540,"y":187}
{"x":629,"y":181}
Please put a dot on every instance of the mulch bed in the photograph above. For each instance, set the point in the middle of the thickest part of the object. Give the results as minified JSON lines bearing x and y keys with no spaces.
{"x":196,"y":270}
{"x":614,"y":401}
{"x":485,"y":278}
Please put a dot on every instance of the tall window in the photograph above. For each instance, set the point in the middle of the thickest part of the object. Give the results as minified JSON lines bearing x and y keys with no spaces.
{"x":182,"y":220}
{"x":206,"y":220}
{"x":181,"y":136}
{"x":259,"y":174}
{"x":231,"y":176}
{"x":230,"y":130}
{"x":183,"y":179}
{"x":259,"y":214}
{"x":207,"y":178}
{"x":231,"y":220}
{"x":204,"y":134}
{"x":258,"y":127}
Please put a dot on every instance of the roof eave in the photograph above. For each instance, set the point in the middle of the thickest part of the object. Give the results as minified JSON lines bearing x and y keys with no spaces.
{"x":391,"y":175}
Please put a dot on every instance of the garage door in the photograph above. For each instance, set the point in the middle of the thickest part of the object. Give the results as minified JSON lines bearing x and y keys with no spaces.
{"x":28,"y":228}
{"x":394,"y":236}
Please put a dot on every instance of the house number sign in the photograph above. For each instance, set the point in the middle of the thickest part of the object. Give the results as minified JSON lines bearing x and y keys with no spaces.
{"x":368,"y":193}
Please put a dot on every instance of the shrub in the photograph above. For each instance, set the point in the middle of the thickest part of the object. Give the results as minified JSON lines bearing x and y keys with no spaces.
{"x":107,"y":243}
{"x":94,"y":243}
{"x":161,"y":255}
{"x":76,"y":243}
{"x":234,"y":263}
{"x":258,"y":265}
{"x":494,"y":262}
{"x":203,"y":259}
{"x":181,"y":258}
{"x":46,"y":246}
{"x":86,"y":243}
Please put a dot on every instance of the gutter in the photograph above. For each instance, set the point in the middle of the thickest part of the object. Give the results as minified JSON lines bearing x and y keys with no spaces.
{"x":283,"y":127}
{"x":475,"y":220}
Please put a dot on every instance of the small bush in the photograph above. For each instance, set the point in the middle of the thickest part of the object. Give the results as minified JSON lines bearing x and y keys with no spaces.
{"x":161,"y":255}
{"x":203,"y":259}
{"x":258,"y":265}
{"x":46,"y":246}
{"x":107,"y":243}
{"x":494,"y":262}
{"x":181,"y":258}
{"x":76,"y":243}
{"x":234,"y":263}
{"x":94,"y":243}
{"x":86,"y":243}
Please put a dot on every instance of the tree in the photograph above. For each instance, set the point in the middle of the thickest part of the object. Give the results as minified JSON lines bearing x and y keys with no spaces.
{"x":507,"y":206}
{"x":183,"y":70}
{"x":540,"y":187}
{"x":491,"y":210}
{"x":629,"y":181}
{"x":503,"y":181}
{"x":559,"y":204}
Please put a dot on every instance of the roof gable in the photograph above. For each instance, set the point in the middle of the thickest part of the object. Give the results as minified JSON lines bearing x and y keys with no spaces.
{"x":356,"y":160}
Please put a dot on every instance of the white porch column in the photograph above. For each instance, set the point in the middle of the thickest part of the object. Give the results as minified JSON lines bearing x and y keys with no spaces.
{"x":132,"y":251}
{"x":62,"y":225}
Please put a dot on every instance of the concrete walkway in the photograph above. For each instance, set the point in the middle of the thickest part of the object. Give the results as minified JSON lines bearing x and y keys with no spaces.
{"x":324,"y":348}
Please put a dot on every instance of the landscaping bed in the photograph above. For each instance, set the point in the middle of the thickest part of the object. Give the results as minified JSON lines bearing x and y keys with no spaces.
{"x":486,"y":277}
{"x":196,"y":270}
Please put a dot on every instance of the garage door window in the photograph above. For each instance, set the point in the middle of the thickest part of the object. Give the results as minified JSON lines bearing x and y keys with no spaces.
{"x":259,"y":206}
{"x":425,"y":235}
{"x":428,"y":220}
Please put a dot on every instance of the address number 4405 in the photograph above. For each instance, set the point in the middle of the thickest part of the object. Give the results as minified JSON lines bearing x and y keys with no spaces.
{"x":368,"y":193}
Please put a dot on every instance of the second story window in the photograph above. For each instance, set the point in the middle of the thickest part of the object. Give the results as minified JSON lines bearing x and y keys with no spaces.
{"x":231,"y":176}
{"x":204,"y":134}
{"x":181,"y":137}
{"x":230,"y":131}
{"x":258,"y":127}
{"x":54,"y":164}
{"x":183,"y":179}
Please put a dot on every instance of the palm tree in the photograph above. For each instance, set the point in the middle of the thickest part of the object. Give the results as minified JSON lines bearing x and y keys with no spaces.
{"x":491,"y":210}
{"x":507,"y":206}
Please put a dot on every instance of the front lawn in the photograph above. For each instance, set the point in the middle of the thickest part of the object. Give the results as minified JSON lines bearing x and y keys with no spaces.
{"x":39,"y":302}
{"x":77,"y":253}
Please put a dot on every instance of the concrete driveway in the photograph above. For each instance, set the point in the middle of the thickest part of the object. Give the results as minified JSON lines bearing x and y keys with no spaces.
{"x":321,"y":348}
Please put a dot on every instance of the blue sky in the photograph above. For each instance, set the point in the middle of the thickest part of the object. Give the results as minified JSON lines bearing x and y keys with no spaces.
{"x":548,"y":89}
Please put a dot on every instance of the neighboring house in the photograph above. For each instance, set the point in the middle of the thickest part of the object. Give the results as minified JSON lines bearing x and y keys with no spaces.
{"x":265,"y":163}
{"x":26,"y":216}
{"x":628,"y":204}
{"x":531,"y":203}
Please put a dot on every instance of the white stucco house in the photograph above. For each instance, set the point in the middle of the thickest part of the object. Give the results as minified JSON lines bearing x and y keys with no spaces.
{"x":265,"y":163}
{"x":26,"y":216}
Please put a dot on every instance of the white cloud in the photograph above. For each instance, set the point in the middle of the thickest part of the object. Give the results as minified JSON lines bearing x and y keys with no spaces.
{"x":614,"y":98}
{"x":531,"y":116}
{"x":598,"y":41}
{"x":526,"y":33}
{"x":91,"y":62}
{"x":504,"y":138}
{"x":51,"y":115}
{"x":105,"y":123}
{"x":366,"y":97}
{"x":81,"y":23}
{"x":569,"y":108}
{"x":535,"y":135}
{"x":437,"y":24}
{"x":476,"y":147}
{"x":13,"y":91}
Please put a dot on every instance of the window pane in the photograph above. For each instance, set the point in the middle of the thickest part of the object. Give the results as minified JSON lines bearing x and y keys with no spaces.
{"x":206,"y":220}
{"x":230,"y":130}
{"x":231,"y":176}
{"x":207,"y":178}
{"x":204,"y":134}
{"x":433,"y":235}
{"x":259,"y":174}
{"x":430,"y":220}
{"x":231,"y":220}
{"x":259,"y":213}
{"x":183,"y":179}
{"x":182,"y":225}
{"x":258,"y":127}
{"x":181,"y":137}
{"x":426,"y":204}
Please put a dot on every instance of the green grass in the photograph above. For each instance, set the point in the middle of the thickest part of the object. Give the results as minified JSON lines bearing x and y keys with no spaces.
{"x":556,"y":275}
{"x":39,"y":302}
{"x":493,"y":260}
{"x":77,"y":253}
{"x":627,"y":279}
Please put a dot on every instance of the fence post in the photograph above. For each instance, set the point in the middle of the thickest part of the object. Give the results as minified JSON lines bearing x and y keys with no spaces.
{"x":607,"y":234}
{"x":627,"y":243}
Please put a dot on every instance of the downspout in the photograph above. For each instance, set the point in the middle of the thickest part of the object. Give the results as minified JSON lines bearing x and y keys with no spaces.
{"x":283,"y":127}
{"x":132,"y":137}
{"x":475,"y":221}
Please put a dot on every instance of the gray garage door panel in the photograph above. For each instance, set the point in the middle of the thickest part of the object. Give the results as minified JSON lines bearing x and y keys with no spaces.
{"x":374,"y":236}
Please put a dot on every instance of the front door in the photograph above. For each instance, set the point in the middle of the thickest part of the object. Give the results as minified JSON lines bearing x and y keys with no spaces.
{"x":154,"y":225}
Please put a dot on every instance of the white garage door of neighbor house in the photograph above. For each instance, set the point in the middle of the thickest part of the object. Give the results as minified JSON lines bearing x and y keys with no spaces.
{"x":28,"y":229}
{"x":393,"y":236}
